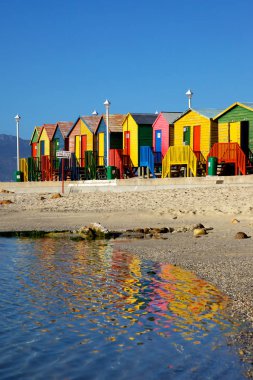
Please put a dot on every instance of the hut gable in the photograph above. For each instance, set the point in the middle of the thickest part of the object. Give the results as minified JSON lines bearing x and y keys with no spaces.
{"x":64,"y":127}
{"x":237,"y":105}
{"x":92,"y":122}
{"x":35,"y":135}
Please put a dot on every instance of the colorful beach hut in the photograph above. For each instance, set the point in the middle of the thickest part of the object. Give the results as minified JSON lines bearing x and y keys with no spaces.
{"x":163,"y":134}
{"x":45,"y":138}
{"x":116,"y":136}
{"x":81,"y":136}
{"x":34,"y":142}
{"x":138,"y":139}
{"x":60,"y":139}
{"x":195,"y":131}
{"x":235,"y":139}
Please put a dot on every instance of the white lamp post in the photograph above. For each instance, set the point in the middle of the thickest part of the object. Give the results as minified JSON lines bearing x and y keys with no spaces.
{"x":107,"y":107}
{"x":189,"y":94}
{"x":17,"y":118}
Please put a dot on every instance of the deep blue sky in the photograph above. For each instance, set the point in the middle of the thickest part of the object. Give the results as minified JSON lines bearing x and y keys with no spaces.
{"x":63,"y":58}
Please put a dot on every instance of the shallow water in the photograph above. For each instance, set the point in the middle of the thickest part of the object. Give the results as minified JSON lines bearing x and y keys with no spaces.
{"x":78,"y":310}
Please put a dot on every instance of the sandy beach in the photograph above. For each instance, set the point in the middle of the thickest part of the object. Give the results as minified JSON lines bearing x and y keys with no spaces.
{"x":217,"y":256}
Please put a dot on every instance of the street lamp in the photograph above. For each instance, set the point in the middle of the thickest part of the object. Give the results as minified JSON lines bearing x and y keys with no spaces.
{"x":17,"y":118}
{"x":189,"y":94}
{"x":107,"y":107}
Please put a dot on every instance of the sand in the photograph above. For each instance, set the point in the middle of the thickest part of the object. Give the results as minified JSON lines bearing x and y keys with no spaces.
{"x":217,"y":257}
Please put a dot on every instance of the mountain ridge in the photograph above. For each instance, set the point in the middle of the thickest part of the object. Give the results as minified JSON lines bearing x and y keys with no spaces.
{"x":8,"y":155}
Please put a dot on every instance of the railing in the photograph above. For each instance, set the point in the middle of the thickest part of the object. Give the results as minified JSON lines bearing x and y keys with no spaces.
{"x":34,"y":169}
{"x":179,"y":155}
{"x":147,"y":158}
{"x":229,"y":153}
{"x":116,"y":159}
{"x":23,"y":167}
{"x":100,"y":161}
{"x":46,"y":168}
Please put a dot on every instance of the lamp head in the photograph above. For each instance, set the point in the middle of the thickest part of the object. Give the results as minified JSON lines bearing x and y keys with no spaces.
{"x":17,"y":118}
{"x":107,"y":104}
{"x":189,"y":94}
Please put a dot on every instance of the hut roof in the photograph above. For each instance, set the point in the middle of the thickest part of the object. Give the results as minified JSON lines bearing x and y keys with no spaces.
{"x":115,"y":122}
{"x":248,"y":105}
{"x":170,"y":117}
{"x":50,"y":129}
{"x":64,"y":127}
{"x":209,"y":113}
{"x":92,"y":122}
{"x":144,"y":118}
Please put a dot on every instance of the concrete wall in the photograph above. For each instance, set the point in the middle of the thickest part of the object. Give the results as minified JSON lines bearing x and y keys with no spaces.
{"x":121,"y":185}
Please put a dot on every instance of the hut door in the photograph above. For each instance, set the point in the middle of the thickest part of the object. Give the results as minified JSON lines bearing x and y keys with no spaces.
{"x":127,"y":143}
{"x":234,"y":132}
{"x":83,"y":149}
{"x":245,"y":137}
{"x":101,"y":148}
{"x":57,"y":145}
{"x":77,"y":147}
{"x":34,"y":149}
{"x":196,"y":138}
{"x":42,"y":148}
{"x":158,"y":140}
{"x":187,"y":135}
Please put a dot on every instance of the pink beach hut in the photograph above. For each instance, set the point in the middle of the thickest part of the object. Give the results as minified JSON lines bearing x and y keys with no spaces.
{"x":163,"y":134}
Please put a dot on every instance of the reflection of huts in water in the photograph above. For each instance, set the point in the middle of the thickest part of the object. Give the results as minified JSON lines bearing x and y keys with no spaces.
{"x":184,"y":300}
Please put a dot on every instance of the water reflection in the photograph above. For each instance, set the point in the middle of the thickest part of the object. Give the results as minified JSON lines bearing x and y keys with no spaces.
{"x":84,"y":300}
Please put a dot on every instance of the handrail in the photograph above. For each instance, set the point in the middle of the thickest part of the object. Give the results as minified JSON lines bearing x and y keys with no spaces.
{"x":23,"y":165}
{"x":179,"y":155}
{"x":229,"y":152}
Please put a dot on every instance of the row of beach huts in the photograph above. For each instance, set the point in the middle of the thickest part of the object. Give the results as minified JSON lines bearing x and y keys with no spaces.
{"x":197,"y":142}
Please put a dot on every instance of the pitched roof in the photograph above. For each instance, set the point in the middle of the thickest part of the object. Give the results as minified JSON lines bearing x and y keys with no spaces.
{"x":50,"y":129}
{"x":248,"y":105}
{"x":209,"y":113}
{"x":170,"y":117}
{"x":115,"y":122}
{"x":144,"y":118}
{"x":64,"y":127}
{"x":38,"y":130}
{"x":92,"y":121}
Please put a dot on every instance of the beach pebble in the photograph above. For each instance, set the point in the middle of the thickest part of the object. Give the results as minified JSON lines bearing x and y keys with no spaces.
{"x":235,"y":221}
{"x":241,"y":235}
{"x":6,"y":202}
{"x":6,"y":191}
{"x":199,"y":232}
{"x":55,"y":196}
{"x":196,"y":226}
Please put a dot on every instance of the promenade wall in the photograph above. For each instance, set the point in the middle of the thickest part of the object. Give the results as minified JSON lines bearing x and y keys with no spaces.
{"x":123,"y":185}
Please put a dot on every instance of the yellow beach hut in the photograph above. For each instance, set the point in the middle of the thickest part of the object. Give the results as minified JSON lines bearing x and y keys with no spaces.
{"x":195,"y":132}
